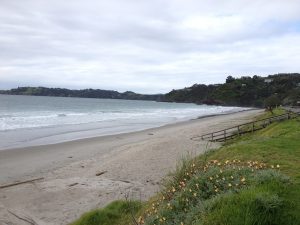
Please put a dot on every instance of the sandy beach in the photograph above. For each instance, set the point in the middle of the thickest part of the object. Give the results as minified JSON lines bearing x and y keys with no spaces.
{"x":133,"y":163}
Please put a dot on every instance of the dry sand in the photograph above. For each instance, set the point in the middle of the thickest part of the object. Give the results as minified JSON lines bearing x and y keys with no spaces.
{"x":135,"y":164}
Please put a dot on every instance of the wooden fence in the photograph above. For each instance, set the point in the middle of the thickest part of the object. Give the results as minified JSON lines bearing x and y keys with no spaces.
{"x":229,"y":133}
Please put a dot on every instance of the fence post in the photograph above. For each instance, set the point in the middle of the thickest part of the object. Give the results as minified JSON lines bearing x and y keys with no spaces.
{"x":252,"y":127}
{"x":225,"y":135}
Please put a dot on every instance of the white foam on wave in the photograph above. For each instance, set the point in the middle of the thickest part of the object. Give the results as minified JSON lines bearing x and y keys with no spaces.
{"x":36,"y":119}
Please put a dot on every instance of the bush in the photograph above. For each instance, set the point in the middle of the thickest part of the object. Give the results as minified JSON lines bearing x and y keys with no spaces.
{"x":201,"y":193}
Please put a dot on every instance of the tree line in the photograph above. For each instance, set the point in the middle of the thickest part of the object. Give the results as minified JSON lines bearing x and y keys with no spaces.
{"x":85,"y":93}
{"x":256,"y":91}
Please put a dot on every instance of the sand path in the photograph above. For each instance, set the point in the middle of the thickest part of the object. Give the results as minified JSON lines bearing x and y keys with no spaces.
{"x":135,"y":164}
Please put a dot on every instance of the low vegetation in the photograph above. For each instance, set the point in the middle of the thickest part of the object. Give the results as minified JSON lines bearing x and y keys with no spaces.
{"x":117,"y":212}
{"x":252,"y":180}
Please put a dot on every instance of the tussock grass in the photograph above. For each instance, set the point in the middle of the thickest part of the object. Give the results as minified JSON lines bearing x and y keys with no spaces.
{"x":199,"y":195}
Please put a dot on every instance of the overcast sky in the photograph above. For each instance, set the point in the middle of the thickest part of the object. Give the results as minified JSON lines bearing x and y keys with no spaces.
{"x":147,"y":46}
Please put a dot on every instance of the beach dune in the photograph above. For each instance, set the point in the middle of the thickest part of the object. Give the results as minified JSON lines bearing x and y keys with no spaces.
{"x":89,"y":173}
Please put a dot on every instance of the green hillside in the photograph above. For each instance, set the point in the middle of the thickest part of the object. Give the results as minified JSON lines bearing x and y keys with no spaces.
{"x":84,"y":93}
{"x":244,"y":91}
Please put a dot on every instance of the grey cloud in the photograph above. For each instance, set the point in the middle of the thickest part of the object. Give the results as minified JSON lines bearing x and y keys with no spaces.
{"x":145,"y":46}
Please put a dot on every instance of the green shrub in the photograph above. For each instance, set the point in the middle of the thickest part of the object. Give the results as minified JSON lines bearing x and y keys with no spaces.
{"x":197,"y":191}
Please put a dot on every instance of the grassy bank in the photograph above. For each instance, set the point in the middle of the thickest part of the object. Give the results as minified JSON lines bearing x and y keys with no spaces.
{"x":254,"y":179}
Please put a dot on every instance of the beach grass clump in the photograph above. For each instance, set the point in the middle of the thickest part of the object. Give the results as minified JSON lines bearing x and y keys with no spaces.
{"x":197,"y":189}
{"x":118,"y":212}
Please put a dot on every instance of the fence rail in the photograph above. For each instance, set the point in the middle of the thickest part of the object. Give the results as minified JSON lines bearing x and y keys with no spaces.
{"x":229,"y":133}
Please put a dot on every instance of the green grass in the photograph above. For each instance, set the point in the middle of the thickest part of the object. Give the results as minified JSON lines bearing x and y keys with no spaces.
{"x":258,"y":205}
{"x":116,"y":213}
{"x":251,"y":180}
{"x":276,"y":112}
{"x":277,"y":144}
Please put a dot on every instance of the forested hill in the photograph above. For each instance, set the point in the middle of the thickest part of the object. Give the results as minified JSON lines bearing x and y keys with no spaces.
{"x":283,"y":89}
{"x":85,"y":93}
{"x":244,"y":91}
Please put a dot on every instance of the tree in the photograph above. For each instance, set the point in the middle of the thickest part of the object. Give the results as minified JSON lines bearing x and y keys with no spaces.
{"x":272,"y":102}
{"x":229,"y":79}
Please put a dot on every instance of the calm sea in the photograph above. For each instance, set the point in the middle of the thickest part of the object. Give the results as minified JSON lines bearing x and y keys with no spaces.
{"x":33,"y":120}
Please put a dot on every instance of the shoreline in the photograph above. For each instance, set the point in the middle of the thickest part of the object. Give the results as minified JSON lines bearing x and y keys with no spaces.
{"x":50,"y":139}
{"x":133,"y":163}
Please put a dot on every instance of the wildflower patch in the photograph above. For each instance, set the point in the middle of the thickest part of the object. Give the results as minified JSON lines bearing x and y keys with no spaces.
{"x":199,"y":182}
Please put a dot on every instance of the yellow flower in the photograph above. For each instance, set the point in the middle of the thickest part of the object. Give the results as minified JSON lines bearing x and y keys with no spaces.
{"x":210,"y":178}
{"x":195,"y":194}
{"x":243,"y":179}
{"x":229,"y":184}
{"x":173,"y":189}
{"x":277,"y":166}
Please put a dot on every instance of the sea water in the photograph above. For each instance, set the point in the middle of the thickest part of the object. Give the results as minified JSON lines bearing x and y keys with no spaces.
{"x":36,"y":120}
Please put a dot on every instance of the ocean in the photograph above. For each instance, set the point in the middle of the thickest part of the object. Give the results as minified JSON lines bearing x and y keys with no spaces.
{"x":36,"y":120}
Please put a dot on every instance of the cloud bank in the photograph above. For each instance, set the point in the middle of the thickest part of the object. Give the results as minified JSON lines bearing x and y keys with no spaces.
{"x":145,"y":46}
